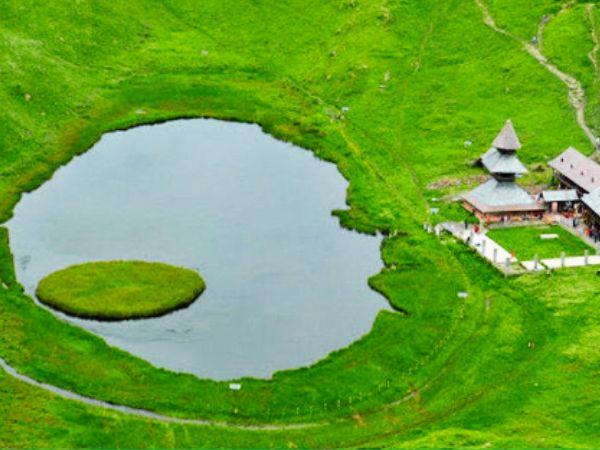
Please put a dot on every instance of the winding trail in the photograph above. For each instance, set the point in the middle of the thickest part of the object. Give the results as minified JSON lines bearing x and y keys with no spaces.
{"x":576,"y":92}
{"x":146,"y":414}
{"x":593,"y":54}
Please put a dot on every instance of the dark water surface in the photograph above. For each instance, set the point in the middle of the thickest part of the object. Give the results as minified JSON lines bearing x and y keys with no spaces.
{"x":286,"y":284}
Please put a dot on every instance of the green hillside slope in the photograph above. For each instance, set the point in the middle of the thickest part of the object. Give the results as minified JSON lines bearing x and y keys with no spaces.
{"x":516,"y":364}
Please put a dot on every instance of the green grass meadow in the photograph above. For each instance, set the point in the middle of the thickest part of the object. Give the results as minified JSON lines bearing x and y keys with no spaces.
{"x":515,"y":364}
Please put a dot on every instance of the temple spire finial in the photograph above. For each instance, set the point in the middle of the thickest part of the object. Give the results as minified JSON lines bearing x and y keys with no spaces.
{"x":507,"y":138}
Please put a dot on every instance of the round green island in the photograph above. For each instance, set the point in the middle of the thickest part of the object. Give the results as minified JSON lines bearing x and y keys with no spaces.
{"x":120,"y":290}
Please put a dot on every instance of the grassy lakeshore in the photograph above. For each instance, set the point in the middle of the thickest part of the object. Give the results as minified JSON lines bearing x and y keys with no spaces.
{"x":119,"y":290}
{"x":418,"y":82}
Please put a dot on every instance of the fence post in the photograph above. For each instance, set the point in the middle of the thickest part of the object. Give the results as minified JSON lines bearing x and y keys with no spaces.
{"x":586,"y":257}
{"x":562,"y":259}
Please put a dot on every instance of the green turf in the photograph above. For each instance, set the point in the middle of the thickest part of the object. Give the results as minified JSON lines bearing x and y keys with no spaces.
{"x":453,"y":212}
{"x":420,"y":77}
{"x":119,"y":290}
{"x":526,"y":242}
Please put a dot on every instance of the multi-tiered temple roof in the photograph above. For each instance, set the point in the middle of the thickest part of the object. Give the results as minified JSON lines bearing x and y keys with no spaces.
{"x":501,"y":194}
{"x":502,"y":157}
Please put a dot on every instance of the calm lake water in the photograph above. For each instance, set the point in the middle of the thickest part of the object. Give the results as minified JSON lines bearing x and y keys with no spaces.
{"x":286,"y":285}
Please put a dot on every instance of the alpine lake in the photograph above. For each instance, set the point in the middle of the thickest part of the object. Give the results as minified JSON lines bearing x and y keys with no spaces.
{"x":286,"y":284}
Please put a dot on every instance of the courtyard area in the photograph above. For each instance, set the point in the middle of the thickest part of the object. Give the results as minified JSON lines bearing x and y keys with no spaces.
{"x":518,"y":249}
{"x":544,"y":241}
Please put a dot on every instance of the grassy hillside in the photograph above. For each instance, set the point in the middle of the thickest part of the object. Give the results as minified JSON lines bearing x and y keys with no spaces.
{"x":419,"y":77}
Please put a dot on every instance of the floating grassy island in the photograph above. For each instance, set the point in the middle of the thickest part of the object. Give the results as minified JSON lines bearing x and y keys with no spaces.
{"x":120,"y":290}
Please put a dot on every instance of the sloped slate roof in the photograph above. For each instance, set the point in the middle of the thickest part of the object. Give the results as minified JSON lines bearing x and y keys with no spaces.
{"x":578,"y":168}
{"x":592,"y":200}
{"x":501,"y":196}
{"x":507,"y":139}
{"x":498,"y":162}
{"x":564,"y":195}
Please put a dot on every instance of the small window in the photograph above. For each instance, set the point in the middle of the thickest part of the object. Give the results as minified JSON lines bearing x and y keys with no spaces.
{"x":571,"y":166}
{"x":562,"y":159}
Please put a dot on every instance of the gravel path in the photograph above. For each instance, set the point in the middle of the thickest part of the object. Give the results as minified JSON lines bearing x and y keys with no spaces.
{"x":575,"y":88}
{"x":142,"y":412}
{"x":593,"y":54}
